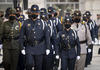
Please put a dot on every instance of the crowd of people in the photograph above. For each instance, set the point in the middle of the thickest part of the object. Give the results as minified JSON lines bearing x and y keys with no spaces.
{"x":45,"y":41}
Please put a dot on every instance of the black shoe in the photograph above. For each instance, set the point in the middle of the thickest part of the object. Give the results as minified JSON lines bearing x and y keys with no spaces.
{"x":86,"y":65}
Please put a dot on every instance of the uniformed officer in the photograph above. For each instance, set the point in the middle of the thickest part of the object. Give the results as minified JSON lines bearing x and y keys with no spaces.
{"x":4,"y":19}
{"x":43,"y":15}
{"x":49,"y":59}
{"x":84,"y":38}
{"x":58,"y":21}
{"x":9,"y":35}
{"x":93,"y":25}
{"x":68,"y":40}
{"x":20,"y":19}
{"x":54,"y":18}
{"x":92,"y":32}
{"x":38,"y":40}
{"x":20,"y":16}
{"x":59,"y":27}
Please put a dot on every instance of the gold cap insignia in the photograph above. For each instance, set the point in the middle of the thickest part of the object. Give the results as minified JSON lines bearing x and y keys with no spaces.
{"x":34,"y":8}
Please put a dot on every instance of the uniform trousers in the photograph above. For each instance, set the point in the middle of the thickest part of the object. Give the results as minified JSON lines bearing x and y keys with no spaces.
{"x":10,"y":59}
{"x":35,"y":61}
{"x":67,"y":63}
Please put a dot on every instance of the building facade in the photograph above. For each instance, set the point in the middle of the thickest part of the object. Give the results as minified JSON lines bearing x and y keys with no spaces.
{"x":63,"y":5}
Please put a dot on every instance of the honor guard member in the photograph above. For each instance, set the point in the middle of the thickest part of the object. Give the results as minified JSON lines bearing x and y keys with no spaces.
{"x":20,"y":16}
{"x":59,"y":27}
{"x":37,"y":40}
{"x":43,"y":15}
{"x":49,"y":59}
{"x":94,"y":25}
{"x":68,"y":40}
{"x":5,"y":19}
{"x":51,"y":16}
{"x":58,"y":21}
{"x":84,"y":38}
{"x":9,"y":35}
{"x":46,"y":59}
{"x":92,"y":32}
{"x":20,"y":19}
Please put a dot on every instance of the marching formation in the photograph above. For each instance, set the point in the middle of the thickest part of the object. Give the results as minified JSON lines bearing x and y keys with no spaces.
{"x":46,"y":41}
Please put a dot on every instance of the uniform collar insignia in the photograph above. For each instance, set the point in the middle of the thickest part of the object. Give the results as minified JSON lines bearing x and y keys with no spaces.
{"x":34,"y":9}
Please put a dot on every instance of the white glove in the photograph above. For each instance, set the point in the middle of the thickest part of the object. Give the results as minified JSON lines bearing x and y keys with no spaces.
{"x":23,"y":52}
{"x":57,"y":56}
{"x":96,"y":39}
{"x":78,"y":57}
{"x":54,"y":52}
{"x":89,"y":50}
{"x":47,"y":52}
{"x":1,"y":46}
{"x":86,"y":46}
{"x":92,"y":42}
